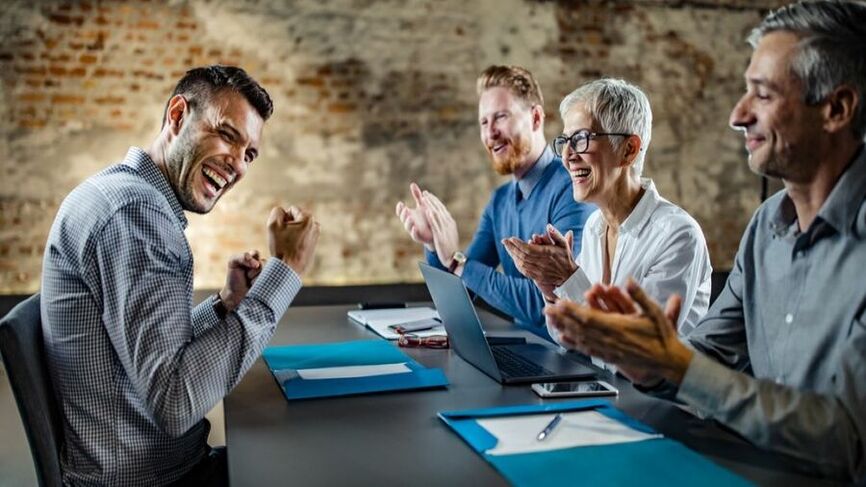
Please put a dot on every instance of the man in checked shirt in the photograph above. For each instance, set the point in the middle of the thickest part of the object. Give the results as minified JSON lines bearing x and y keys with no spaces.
{"x":134,"y":365}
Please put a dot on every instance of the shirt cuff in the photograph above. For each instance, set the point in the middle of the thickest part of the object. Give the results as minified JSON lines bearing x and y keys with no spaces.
{"x":204,"y":316}
{"x":433,"y":259}
{"x":574,"y":287}
{"x":705,"y":383}
{"x":275,"y":287}
{"x":473,"y":274}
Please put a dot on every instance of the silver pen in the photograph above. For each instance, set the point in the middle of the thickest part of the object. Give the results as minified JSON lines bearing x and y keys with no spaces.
{"x":549,"y":428}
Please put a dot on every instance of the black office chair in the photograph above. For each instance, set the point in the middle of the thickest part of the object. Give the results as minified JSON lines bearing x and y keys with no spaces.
{"x":24,"y":358}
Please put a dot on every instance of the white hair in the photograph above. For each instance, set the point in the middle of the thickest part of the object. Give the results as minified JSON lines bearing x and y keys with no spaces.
{"x":617,"y":106}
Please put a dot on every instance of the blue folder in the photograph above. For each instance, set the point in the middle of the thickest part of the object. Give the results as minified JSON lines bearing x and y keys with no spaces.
{"x":285,"y":361}
{"x":659,"y":461}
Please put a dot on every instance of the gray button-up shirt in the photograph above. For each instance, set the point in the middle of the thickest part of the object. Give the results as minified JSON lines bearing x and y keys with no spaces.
{"x":134,"y":365}
{"x":782,"y":353}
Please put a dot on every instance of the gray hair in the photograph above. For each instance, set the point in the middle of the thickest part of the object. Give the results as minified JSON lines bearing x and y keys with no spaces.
{"x":831,"y":51}
{"x":617,"y":106}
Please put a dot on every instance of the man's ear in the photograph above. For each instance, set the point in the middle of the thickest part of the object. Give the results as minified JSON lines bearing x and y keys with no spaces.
{"x":839,"y":108}
{"x":177,"y":113}
{"x":537,"y":117}
{"x":631,"y":148}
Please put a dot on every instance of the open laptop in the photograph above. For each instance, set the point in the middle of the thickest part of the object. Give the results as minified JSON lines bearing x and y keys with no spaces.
{"x":508,"y":364}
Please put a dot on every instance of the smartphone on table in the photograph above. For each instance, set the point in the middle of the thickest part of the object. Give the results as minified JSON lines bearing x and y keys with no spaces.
{"x":417,"y":325}
{"x":589,"y":388}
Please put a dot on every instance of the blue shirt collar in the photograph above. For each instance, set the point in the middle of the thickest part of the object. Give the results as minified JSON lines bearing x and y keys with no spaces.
{"x":530,"y":180}
{"x":141,"y":162}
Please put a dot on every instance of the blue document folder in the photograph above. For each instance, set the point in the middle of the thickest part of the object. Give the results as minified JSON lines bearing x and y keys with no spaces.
{"x":656,"y":461}
{"x":288,"y":364}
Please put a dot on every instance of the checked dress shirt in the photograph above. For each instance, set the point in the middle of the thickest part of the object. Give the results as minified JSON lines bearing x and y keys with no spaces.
{"x":134,"y":365}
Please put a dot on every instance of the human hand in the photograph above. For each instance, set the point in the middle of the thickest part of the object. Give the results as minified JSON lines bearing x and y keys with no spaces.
{"x":547,"y":259}
{"x":242,"y":272}
{"x":642,"y":344}
{"x":446,"y":240}
{"x":292,"y":237}
{"x":415,"y":219}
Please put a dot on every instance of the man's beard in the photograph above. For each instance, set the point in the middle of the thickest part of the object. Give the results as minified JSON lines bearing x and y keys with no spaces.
{"x":179,"y":161}
{"x":518,"y":149}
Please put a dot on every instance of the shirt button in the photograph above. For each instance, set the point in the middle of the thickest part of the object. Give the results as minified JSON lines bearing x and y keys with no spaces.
{"x":789,"y":318}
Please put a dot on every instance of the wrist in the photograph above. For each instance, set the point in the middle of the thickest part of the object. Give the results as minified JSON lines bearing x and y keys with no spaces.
{"x":229,"y":299}
{"x":570,"y":272}
{"x":681,"y":358}
{"x":220,"y":307}
{"x":458,"y":261}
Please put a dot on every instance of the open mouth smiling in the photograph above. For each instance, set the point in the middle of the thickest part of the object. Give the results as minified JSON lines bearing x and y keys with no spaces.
{"x":214,"y":179}
{"x":498,"y":149}
{"x":581,"y":174}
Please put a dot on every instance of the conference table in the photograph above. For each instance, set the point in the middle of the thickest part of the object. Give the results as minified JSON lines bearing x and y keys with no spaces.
{"x":397,"y":439}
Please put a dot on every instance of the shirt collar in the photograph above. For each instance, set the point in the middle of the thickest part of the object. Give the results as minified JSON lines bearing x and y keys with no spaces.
{"x":842,"y":206}
{"x":640,"y":215}
{"x":141,"y":162}
{"x":530,"y":180}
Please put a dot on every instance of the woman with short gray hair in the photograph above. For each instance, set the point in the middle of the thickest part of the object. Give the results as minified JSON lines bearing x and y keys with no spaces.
{"x":636,"y":233}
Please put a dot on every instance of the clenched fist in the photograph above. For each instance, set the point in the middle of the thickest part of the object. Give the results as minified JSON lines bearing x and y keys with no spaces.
{"x":292,"y":237}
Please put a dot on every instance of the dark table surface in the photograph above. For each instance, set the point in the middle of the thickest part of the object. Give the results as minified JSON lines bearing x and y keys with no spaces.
{"x":396,"y":438}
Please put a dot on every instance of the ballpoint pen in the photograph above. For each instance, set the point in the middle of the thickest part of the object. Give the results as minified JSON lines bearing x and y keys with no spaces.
{"x":549,"y":428}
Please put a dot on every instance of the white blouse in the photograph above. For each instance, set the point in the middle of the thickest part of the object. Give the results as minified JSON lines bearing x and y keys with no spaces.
{"x":660,"y":245}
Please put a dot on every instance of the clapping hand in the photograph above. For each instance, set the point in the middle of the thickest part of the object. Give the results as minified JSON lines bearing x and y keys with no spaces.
{"x":627,"y":330}
{"x":546,"y":259}
{"x":414,"y":220}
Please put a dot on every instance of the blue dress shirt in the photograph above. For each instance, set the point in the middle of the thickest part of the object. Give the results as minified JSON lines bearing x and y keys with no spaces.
{"x":520,"y":208}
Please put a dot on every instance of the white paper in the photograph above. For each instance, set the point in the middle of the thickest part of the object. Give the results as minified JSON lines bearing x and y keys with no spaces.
{"x":379,"y":320}
{"x":351,"y":371}
{"x":517,"y":434}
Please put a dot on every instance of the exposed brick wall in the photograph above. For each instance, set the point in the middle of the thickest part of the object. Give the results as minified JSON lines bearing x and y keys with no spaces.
{"x":369,"y":95}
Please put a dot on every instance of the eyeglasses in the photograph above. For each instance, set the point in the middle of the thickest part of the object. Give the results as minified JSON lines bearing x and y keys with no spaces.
{"x":413,"y":341}
{"x":578,"y":142}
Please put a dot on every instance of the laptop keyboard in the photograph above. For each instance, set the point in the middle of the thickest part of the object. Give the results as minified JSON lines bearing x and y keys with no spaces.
{"x":513,"y":364}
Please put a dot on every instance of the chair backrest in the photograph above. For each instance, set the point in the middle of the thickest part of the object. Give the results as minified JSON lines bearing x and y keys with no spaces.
{"x":23,"y":355}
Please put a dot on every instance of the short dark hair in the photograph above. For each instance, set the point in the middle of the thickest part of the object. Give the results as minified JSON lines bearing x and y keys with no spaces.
{"x":518,"y":80}
{"x":198,"y":85}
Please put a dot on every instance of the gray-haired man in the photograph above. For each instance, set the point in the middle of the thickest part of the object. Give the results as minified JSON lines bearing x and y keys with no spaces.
{"x":781,"y":355}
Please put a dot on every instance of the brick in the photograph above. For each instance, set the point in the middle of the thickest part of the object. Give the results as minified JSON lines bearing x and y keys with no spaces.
{"x":31,"y":123}
{"x":67,"y":99}
{"x":66,"y":19}
{"x":107,"y":73}
{"x":147,"y":24}
{"x":110,"y":100}
{"x":87,"y":58}
{"x":339,"y":107}
{"x":311,"y":81}
{"x":30,"y":70}
{"x":31,"y":97}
